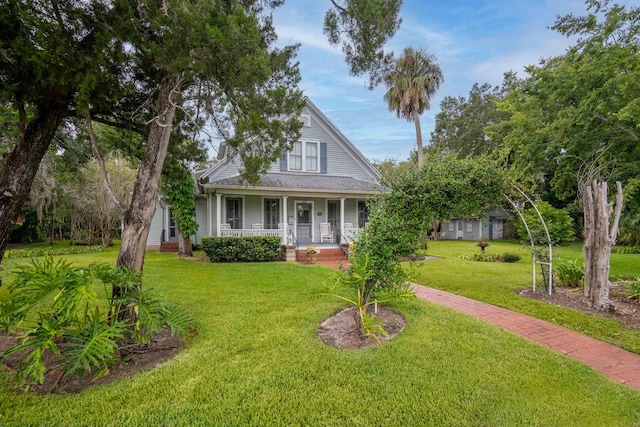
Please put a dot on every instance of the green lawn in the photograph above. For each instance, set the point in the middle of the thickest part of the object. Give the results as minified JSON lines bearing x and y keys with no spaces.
{"x":498,"y":283}
{"x":256,"y":361}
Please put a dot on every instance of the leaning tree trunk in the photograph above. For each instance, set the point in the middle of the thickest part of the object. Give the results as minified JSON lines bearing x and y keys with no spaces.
{"x":416,"y":120}
{"x":184,"y":245}
{"x":137,"y":219}
{"x":21,"y":165}
{"x":599,"y":237}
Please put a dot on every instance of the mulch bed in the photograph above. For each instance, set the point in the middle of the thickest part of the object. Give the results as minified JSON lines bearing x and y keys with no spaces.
{"x":626,"y":310}
{"x":341,"y":330}
{"x":132,"y":361}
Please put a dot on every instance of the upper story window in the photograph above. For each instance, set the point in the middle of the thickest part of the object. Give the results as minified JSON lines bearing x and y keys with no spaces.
{"x":304,"y":156}
{"x":295,"y":157}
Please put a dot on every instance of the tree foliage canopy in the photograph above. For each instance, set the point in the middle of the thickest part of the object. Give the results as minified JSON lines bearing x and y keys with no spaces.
{"x":573,"y":108}
{"x":445,"y":187}
{"x":460,"y":124}
{"x":362,"y":27}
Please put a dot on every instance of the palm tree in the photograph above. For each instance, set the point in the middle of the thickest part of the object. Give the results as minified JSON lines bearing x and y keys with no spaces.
{"x":410,"y":85}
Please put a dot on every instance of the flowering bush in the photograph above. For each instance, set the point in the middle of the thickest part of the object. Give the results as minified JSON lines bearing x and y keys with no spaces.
{"x":311,"y":250}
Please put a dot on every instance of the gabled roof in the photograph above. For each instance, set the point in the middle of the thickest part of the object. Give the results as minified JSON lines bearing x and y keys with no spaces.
{"x":343,"y":140}
{"x":305,"y":182}
{"x":325,"y":123}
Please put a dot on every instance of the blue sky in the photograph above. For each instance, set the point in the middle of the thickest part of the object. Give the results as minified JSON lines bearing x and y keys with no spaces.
{"x":473,"y":40}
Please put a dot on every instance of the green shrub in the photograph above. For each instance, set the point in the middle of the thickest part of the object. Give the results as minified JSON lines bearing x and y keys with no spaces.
{"x":241,"y":249}
{"x":569,"y":273}
{"x":559,"y":223}
{"x":479,"y":256}
{"x":628,"y":250}
{"x":39,"y":252}
{"x":29,"y":232}
{"x":510,"y":257}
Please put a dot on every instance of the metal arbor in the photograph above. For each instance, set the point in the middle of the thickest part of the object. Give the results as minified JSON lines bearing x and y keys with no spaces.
{"x":519,"y":207}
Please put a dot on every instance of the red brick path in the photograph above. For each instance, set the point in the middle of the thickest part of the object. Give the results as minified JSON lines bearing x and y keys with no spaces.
{"x":620,"y":365}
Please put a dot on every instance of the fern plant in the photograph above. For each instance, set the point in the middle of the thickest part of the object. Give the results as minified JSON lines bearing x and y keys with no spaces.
{"x":569,"y":273}
{"x":71,"y":320}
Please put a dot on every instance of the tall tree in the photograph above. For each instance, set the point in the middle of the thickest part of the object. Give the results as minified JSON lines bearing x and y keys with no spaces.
{"x":362,"y":27}
{"x":54,"y":56}
{"x":410,"y":86}
{"x":460,"y":124}
{"x":572,"y":106}
{"x":583,"y":108}
{"x":93,"y":208}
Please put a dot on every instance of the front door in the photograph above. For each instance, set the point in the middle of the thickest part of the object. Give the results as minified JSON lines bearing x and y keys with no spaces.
{"x":173,"y":232}
{"x":333,"y":216}
{"x":304,"y":222}
{"x":497,"y":228}
{"x":460,"y":230}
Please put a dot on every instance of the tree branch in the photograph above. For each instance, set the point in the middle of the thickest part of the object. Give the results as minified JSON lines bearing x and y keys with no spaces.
{"x":613,"y":232}
{"x":103,"y":169}
{"x":22,"y":121}
{"x":121,"y":124}
{"x":624,"y":129}
{"x":339,"y":7}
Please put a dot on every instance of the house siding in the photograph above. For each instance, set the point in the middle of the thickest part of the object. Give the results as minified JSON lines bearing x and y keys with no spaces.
{"x":339,"y":162}
{"x":157,"y":225}
{"x":337,"y":157}
{"x":201,"y":219}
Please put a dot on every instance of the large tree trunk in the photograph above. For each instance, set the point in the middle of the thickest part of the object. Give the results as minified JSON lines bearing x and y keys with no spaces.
{"x":22,"y":163}
{"x":416,"y":121}
{"x":184,"y":245}
{"x":137,"y":219}
{"x":599,"y":237}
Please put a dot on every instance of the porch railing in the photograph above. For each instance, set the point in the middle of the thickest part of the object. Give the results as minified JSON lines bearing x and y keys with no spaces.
{"x":292,"y":239}
{"x":352,"y":234}
{"x":250,"y":233}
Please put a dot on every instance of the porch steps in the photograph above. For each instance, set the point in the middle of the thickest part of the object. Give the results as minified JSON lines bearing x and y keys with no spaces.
{"x":169,"y":247}
{"x":324,"y":254}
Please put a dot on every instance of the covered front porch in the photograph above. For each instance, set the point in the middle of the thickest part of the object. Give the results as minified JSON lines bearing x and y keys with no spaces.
{"x":298,"y":220}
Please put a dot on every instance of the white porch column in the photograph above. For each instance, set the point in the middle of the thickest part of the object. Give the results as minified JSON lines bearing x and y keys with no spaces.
{"x":285,"y":221}
{"x":341,"y":219}
{"x":209,"y":221}
{"x":218,"y":213}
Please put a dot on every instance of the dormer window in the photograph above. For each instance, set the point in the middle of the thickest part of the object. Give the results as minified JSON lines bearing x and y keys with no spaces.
{"x":304,"y":156}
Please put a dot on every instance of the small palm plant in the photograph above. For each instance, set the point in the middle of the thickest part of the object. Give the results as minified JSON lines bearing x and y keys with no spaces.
{"x":63,"y":310}
{"x":362,"y":292}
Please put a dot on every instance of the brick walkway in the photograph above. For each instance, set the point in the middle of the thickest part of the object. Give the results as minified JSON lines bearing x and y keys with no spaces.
{"x":620,"y":365}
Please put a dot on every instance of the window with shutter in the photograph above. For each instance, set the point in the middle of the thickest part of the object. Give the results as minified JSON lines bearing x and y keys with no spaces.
{"x":306,"y":156}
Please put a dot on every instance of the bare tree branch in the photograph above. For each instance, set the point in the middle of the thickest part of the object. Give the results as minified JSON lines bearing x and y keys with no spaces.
{"x":103,"y":169}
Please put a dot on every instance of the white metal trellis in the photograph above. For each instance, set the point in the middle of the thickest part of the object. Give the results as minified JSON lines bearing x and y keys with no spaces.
{"x":519,"y":210}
